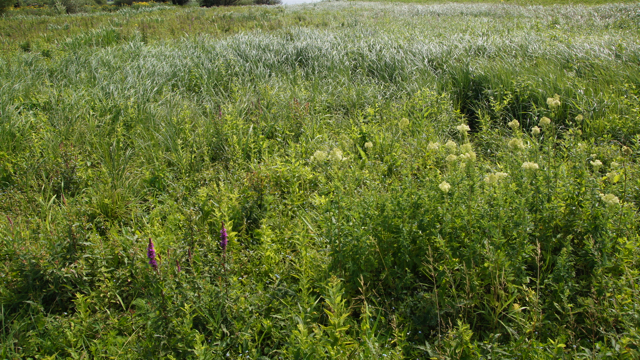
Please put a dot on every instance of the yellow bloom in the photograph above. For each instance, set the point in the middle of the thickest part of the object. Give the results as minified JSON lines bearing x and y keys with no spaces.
{"x":445,"y":187}
{"x":596,"y":164}
{"x":368,"y":145}
{"x":527,"y":165}
{"x":514,"y":124}
{"x":451,"y":158}
{"x":535,"y":130}
{"x":433,"y":146}
{"x":466,"y":148}
{"x":579,"y":118}
{"x":403,"y":123}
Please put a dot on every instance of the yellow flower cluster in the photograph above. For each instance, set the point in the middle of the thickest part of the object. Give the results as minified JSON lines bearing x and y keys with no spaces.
{"x":596,"y":164}
{"x":535,"y":130}
{"x":528,"y":165}
{"x":368,"y":145}
{"x":403,"y":123}
{"x":433,"y":146}
{"x":451,"y":145}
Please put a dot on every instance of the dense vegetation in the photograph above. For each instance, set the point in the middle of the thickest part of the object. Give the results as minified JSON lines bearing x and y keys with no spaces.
{"x":448,"y":181}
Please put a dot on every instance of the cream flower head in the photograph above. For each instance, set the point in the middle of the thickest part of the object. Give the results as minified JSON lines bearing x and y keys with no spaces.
{"x":495,"y":177}
{"x":596,"y":164}
{"x":451,"y":158}
{"x":433,"y":146}
{"x":451,"y":145}
{"x":514,"y":124}
{"x":528,"y":165}
{"x":516,"y":143}
{"x":403,"y":123}
{"x":463,"y":128}
{"x":544,"y":121}
{"x":553,"y":102}
{"x":319,"y":156}
{"x":610,"y":199}
{"x":445,"y":187}
{"x":535,"y":130}
{"x":368,"y":145}
{"x":336,"y":154}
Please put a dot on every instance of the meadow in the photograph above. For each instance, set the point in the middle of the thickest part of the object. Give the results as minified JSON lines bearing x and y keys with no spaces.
{"x":340,"y":180}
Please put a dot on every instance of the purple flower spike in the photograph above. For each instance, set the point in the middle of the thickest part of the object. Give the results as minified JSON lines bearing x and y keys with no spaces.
{"x":223,"y":238}
{"x":151,"y":254}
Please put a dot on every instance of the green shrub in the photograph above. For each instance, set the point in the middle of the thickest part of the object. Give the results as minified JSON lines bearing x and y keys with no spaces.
{"x":5,"y":4}
{"x":210,"y":3}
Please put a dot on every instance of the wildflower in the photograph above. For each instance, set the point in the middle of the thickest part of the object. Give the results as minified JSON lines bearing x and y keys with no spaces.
{"x":223,"y":238}
{"x":514,"y":124}
{"x":451,"y":158}
{"x":553,"y":102}
{"x":544,"y":121}
{"x":535,"y":130}
{"x":403,"y":123}
{"x":527,"y":165}
{"x":579,"y":118}
{"x":336,"y":154}
{"x":615,"y":165}
{"x":495,"y":177}
{"x":626,"y":151}
{"x":466,"y":148}
{"x":319,"y":156}
{"x":444,"y":186}
{"x":596,"y":164}
{"x":151,"y":254}
{"x":463,"y":128}
{"x":610,"y":199}
{"x":468,"y":156}
{"x":516,"y":143}
{"x":433,"y":146}
{"x":368,"y":145}
{"x":451,"y":145}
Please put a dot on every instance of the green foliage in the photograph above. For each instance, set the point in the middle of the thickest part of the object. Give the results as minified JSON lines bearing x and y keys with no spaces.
{"x":210,"y":3}
{"x":447,"y":181}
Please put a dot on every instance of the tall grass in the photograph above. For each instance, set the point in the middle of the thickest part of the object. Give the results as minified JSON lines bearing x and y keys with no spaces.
{"x":318,"y":135}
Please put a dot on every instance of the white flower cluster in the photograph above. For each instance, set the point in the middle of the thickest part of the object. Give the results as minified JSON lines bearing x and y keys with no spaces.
{"x":610,"y":199}
{"x":554,"y":102}
{"x":528,"y":165}
{"x":514,"y":125}
{"x":495,"y":177}
{"x":516,"y":143}
{"x":334,"y":155}
{"x":433,"y":146}
{"x":544,"y":121}
{"x":445,"y":187}
{"x":463,"y":128}
{"x":535,"y":130}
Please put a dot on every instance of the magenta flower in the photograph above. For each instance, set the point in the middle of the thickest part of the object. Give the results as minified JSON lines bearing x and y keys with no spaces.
{"x":223,"y":238}
{"x":151,"y":254}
